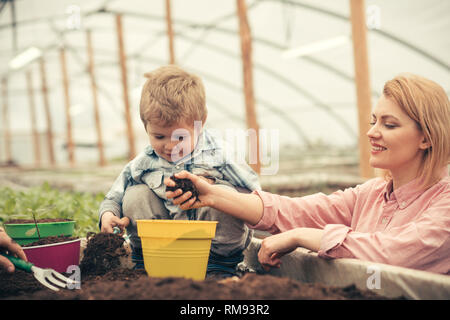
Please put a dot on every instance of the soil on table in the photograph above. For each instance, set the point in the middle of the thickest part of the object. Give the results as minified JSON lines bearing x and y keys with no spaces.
{"x":49,"y":240}
{"x":18,"y":283}
{"x":23,"y":221}
{"x":103,"y":278}
{"x":126,"y":284}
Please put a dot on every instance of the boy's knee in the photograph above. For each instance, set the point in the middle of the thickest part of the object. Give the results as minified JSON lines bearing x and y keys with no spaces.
{"x":134,"y":196}
{"x":141,"y":202}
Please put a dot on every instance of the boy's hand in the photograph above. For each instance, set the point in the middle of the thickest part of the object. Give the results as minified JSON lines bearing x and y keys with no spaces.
{"x":179,"y":198}
{"x":109,"y":221}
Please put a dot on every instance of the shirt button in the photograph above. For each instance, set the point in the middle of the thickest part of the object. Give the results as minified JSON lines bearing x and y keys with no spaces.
{"x":177,"y":167}
{"x":384,"y":220}
{"x":403,"y":203}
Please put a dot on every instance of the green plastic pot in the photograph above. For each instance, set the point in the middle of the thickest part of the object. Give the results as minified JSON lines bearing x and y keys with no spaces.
{"x":25,"y":233}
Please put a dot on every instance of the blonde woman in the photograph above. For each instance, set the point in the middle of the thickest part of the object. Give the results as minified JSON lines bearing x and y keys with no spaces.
{"x":402,"y":219}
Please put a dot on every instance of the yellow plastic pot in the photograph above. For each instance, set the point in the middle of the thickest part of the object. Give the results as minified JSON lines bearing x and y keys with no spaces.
{"x":176,"y":248}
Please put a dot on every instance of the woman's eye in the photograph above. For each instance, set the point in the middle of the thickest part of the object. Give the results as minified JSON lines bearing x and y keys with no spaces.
{"x":159,"y":137}
{"x":387,"y":125}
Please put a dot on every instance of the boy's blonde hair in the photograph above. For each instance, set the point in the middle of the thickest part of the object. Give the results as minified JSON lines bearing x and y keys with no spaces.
{"x":172,"y":95}
{"x":428,"y":105}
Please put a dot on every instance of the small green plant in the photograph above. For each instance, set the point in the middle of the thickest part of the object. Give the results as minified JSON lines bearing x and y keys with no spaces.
{"x":45,"y":202}
{"x":36,"y":224}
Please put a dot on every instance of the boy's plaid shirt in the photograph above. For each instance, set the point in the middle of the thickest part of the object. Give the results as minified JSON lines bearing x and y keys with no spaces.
{"x":210,"y":158}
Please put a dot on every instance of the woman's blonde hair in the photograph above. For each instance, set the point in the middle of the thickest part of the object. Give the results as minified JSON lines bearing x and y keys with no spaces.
{"x":172,"y":95}
{"x":428,"y":105}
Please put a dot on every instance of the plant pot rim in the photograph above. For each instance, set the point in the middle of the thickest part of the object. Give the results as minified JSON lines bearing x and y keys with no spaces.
{"x":32,"y":223}
{"x":51,"y":244}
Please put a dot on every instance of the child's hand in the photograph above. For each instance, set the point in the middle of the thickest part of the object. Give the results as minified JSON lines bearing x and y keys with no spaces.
{"x":179,"y":198}
{"x":109,"y":221}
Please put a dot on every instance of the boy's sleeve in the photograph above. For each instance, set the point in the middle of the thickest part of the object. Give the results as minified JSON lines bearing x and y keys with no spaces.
{"x":113,"y":199}
{"x":241,"y":175}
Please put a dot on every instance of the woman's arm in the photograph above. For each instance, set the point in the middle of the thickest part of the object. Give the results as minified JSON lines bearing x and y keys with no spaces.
{"x":267,"y":211}
{"x":246,"y":207}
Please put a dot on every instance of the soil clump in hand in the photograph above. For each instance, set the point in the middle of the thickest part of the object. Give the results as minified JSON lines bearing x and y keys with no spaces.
{"x":185,"y":185}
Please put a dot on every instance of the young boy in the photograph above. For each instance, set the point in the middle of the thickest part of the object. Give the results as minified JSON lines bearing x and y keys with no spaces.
{"x":173,"y":111}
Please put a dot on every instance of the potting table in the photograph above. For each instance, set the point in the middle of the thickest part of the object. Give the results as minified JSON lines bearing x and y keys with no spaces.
{"x":385,"y":280}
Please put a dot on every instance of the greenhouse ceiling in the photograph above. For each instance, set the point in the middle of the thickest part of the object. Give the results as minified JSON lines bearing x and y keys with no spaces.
{"x":303,"y":67}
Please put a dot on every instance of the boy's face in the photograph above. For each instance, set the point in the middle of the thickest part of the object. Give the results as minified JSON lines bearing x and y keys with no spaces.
{"x":173,"y":142}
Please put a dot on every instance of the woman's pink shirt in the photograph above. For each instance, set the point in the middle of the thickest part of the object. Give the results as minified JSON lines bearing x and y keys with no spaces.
{"x":408,"y":227}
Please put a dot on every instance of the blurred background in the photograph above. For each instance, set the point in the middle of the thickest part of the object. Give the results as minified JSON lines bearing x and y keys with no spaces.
{"x":302,"y":58}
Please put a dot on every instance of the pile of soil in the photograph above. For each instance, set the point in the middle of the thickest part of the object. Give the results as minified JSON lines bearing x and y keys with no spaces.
{"x":102,"y":253}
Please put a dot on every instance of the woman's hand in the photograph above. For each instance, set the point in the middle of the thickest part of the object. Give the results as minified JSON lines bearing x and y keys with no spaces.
{"x":276,"y":246}
{"x":203,"y":186}
{"x":7,"y":244}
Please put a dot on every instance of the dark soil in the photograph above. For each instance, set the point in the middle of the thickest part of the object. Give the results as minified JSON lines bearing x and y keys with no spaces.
{"x":102,"y":278}
{"x":18,"y":283}
{"x":125,"y":284}
{"x":22,"y":221}
{"x":49,"y":240}
{"x":185,"y":185}
{"x":102,"y":253}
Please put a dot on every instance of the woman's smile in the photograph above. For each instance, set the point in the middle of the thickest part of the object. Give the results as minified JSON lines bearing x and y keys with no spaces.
{"x":376,"y":148}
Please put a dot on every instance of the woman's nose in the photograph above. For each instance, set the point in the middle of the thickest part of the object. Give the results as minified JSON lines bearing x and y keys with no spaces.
{"x":373,"y":132}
